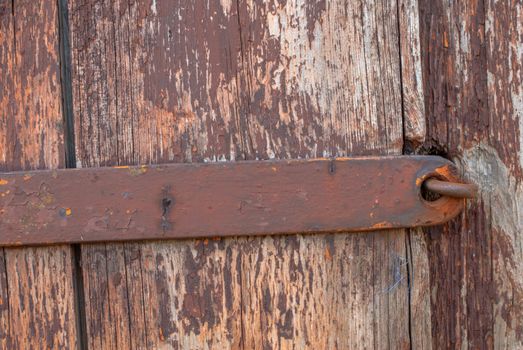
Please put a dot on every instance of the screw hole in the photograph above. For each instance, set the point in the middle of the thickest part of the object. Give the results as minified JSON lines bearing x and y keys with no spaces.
{"x":166,"y":203}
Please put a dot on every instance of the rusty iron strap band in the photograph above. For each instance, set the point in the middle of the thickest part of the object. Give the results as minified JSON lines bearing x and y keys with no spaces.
{"x":221,"y":199}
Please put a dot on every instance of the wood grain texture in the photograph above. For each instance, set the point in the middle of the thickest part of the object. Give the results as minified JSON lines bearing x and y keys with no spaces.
{"x":138,"y":69}
{"x":420,"y":291}
{"x":36,"y":292}
{"x":472,"y":57}
{"x":414,"y":124}
{"x":414,"y":134}
{"x":206,"y":81}
{"x":325,"y":292}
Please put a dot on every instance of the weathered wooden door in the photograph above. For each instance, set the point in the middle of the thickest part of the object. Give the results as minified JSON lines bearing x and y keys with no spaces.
{"x":102,"y":83}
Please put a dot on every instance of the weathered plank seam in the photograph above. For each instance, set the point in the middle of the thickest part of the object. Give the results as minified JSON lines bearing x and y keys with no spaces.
{"x":410,"y":269}
{"x":66,"y":84}
{"x":131,"y":96}
{"x":109,"y":306}
{"x":406,"y":149}
{"x":414,"y":118}
{"x":14,"y":30}
{"x":8,"y":298}
{"x":244,"y":155}
{"x":143,"y":299}
{"x":4,"y":256}
{"x":125,"y":248}
{"x":70,"y":162}
{"x":376,"y":30}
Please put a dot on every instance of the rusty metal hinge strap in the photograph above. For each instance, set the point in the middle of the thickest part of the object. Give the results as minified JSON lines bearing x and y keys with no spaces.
{"x":225,"y":199}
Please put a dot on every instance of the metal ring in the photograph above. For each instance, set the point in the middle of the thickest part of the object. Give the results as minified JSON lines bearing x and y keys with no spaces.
{"x":451,"y":189}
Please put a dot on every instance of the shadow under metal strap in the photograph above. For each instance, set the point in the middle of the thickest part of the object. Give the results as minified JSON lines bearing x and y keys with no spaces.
{"x":227,"y":199}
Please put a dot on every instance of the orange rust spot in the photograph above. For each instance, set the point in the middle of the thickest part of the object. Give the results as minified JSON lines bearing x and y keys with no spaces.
{"x":27,"y":177}
{"x":206,"y":241}
{"x":121,"y":167}
{"x":68,"y":211}
{"x":445,"y":40}
{"x":419,"y":181}
{"x":444,"y":171}
{"x":328,"y":254}
{"x":3,"y":182}
{"x":274,"y":168}
{"x":383,"y":224}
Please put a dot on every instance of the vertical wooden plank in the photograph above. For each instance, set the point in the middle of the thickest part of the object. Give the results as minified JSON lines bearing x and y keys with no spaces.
{"x":420,"y":291}
{"x":323,"y":79}
{"x":135,"y":295}
{"x":155,"y":82}
{"x":142,"y":75}
{"x":36,"y":289}
{"x":192,"y":294}
{"x":473,"y":81}
{"x":41,"y":301}
{"x":31,"y":107}
{"x":326,"y":292}
{"x":414,"y":129}
{"x":222,"y":80}
{"x":310,"y":94}
{"x":460,"y":254}
{"x":106,"y":314}
{"x":4,"y":304}
{"x":504,"y":38}
{"x":6,"y":63}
